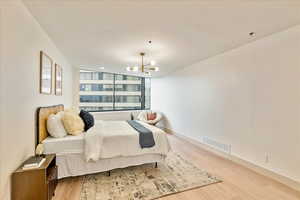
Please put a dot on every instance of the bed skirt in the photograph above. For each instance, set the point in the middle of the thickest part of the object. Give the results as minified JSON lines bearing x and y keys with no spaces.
{"x":75,"y":164}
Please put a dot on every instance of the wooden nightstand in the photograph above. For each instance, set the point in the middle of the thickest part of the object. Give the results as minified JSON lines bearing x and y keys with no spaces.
{"x":35,"y":184}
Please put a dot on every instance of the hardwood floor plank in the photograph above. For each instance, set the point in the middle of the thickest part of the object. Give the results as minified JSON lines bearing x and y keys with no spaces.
{"x":239,"y":183}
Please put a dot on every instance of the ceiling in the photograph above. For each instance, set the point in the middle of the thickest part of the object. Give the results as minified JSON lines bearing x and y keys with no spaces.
{"x":110,"y":34}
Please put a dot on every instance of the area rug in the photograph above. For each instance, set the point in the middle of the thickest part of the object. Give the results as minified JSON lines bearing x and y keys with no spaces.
{"x":145,"y":182}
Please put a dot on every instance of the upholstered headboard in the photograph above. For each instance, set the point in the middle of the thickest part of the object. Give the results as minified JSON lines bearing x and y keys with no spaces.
{"x":42,"y":116}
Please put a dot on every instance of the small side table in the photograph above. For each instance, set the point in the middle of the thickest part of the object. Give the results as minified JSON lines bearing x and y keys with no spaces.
{"x":35,"y":184}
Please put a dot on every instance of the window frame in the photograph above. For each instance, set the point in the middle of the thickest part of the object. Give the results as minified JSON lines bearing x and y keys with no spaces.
{"x":142,"y":89}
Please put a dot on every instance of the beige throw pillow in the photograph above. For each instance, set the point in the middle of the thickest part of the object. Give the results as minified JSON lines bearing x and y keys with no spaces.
{"x":73,"y":123}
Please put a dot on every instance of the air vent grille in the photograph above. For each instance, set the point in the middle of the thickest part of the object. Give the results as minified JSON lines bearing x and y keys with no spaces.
{"x":217,"y":145}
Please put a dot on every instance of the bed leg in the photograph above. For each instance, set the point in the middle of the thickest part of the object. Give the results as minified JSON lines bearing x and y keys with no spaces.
{"x":156,"y":165}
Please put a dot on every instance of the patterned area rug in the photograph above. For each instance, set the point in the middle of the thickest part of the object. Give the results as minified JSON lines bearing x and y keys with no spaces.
{"x":146,"y":182}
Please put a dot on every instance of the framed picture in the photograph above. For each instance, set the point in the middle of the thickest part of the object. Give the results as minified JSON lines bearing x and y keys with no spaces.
{"x":45,"y":73}
{"x":58,"y":80}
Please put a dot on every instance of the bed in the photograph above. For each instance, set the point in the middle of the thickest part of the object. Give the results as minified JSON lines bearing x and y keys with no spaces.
{"x":119,"y":148}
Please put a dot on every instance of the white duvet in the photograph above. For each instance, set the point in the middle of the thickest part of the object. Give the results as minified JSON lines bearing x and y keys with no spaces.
{"x":108,"y":139}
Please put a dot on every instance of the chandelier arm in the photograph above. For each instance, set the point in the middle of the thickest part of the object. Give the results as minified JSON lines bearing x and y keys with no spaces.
{"x":149,"y":68}
{"x":145,"y":68}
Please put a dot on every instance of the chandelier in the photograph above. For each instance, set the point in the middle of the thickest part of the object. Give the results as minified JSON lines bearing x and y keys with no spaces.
{"x":145,"y":67}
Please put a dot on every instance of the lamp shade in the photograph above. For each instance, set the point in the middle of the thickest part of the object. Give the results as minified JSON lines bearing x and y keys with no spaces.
{"x":132,"y":69}
{"x":39,"y":150}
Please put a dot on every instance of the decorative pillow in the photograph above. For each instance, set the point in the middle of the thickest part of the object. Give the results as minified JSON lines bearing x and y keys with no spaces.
{"x":87,"y":119}
{"x":55,"y":126}
{"x":60,"y":114}
{"x":73,"y":109}
{"x":73,"y":123}
{"x":151,"y":116}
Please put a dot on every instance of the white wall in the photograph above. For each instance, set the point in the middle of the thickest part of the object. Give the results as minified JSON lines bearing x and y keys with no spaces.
{"x":22,"y":38}
{"x":248,"y":97}
{"x":76,"y":79}
{"x":1,"y":100}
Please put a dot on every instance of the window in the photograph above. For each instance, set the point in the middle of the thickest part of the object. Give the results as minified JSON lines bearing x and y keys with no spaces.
{"x":96,"y":87}
{"x":129,"y":88}
{"x":101,"y":91}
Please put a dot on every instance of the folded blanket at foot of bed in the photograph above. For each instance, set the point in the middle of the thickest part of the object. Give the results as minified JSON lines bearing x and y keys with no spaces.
{"x":145,"y":135}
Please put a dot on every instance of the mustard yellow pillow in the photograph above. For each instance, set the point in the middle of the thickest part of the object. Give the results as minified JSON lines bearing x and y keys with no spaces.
{"x":72,"y":123}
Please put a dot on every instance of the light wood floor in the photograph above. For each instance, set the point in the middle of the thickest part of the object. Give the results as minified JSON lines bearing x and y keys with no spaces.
{"x":239,"y":183}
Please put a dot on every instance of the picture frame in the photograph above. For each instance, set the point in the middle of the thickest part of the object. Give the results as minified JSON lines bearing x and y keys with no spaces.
{"x":58,"y":79}
{"x":46,"y":65}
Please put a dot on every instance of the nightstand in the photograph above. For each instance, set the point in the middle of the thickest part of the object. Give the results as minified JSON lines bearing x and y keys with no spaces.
{"x":35,"y":184}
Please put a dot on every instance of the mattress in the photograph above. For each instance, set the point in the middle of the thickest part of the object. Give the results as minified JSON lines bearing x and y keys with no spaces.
{"x":66,"y":145}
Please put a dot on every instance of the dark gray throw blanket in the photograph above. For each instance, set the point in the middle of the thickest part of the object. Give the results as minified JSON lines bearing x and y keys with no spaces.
{"x":145,"y":137}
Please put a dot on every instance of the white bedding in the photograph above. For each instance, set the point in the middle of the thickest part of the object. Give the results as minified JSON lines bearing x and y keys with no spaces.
{"x":109,"y":139}
{"x":75,"y":164}
{"x":66,"y":145}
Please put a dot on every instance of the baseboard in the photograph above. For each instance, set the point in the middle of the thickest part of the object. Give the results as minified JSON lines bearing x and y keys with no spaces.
{"x":268,"y":173}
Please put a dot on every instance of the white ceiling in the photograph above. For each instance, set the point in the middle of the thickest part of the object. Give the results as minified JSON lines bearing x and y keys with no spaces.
{"x":112,"y":33}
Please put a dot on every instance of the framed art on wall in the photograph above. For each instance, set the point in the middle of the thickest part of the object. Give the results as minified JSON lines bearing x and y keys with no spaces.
{"x":58,"y":80}
{"x":45,"y":73}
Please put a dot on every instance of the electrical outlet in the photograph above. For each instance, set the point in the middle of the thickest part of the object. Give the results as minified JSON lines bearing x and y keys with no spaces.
{"x":267,"y":158}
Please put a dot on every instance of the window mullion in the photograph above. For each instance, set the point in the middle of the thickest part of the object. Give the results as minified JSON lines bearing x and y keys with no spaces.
{"x":114,"y":92}
{"x":143,"y":94}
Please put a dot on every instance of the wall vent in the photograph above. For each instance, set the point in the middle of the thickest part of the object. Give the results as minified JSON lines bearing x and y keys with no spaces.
{"x":226,"y":148}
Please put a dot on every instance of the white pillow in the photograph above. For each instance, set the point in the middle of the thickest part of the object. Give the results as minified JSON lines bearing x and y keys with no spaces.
{"x":55,"y":126}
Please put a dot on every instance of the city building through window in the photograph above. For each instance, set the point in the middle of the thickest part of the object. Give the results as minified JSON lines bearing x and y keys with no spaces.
{"x":102,"y":91}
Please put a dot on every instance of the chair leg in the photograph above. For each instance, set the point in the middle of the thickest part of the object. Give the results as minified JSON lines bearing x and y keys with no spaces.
{"x":156,"y":165}
{"x":108,"y":173}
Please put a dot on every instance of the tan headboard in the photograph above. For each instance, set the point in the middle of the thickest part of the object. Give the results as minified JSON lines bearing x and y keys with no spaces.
{"x":42,"y":116}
